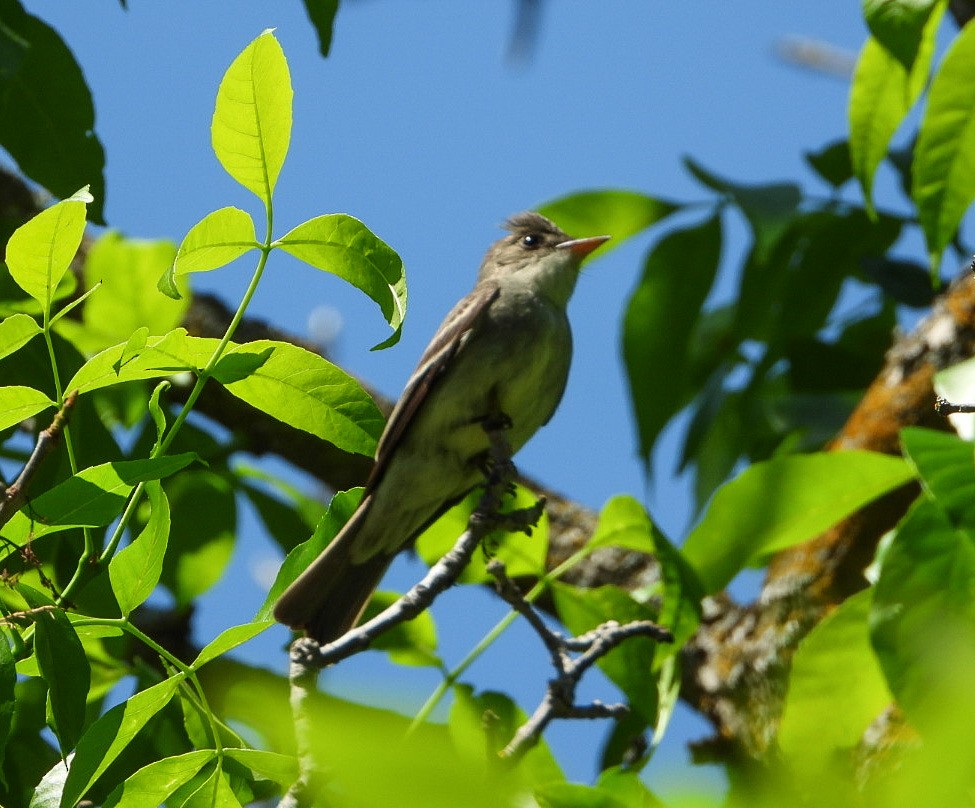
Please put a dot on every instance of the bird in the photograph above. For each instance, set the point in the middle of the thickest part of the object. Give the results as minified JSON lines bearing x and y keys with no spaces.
{"x":501,"y":354}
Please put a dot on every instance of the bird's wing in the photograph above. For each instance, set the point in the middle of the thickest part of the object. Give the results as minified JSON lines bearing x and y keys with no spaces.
{"x":449,"y":339}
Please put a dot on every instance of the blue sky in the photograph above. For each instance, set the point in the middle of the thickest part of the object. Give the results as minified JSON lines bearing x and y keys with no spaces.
{"x":419,"y":125}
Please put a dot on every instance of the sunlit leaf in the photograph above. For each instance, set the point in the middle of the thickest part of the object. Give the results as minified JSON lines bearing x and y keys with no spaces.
{"x":40,"y":251}
{"x":345,"y":247}
{"x":944,"y":158}
{"x":782,"y":502}
{"x":135,"y":570}
{"x":217,"y":239}
{"x":20,"y":403}
{"x":251,"y":126}
{"x":63,"y":664}
{"x":15,"y":332}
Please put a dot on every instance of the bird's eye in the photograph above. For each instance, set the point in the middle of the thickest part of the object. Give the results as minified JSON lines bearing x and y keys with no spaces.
{"x":531,"y":241}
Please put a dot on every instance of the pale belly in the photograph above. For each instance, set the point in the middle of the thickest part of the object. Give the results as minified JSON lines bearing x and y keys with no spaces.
{"x":517,"y":365}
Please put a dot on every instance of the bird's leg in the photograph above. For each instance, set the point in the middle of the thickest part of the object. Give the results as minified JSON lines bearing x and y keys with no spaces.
{"x":496,"y":463}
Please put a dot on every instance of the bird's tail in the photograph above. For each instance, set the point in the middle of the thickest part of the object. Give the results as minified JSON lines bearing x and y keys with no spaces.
{"x":327,"y":599}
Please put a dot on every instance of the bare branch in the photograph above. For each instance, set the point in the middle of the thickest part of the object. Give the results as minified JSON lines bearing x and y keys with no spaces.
{"x":14,"y":495}
{"x":559,"y":699}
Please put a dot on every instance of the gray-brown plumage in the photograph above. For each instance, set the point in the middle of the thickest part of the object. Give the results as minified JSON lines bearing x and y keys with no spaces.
{"x":503,"y":350}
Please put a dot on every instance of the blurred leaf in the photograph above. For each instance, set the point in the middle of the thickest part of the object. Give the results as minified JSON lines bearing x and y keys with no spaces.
{"x":898,"y":25}
{"x":47,"y":119}
{"x":251,"y":127}
{"x":15,"y":332}
{"x":832,"y":163}
{"x":135,"y":570}
{"x":624,"y":522}
{"x":836,"y":674}
{"x":782,"y":502}
{"x":769,"y":208}
{"x":945,"y":465}
{"x":680,"y":610}
{"x":63,"y":664}
{"x":617,"y":213}
{"x":925,"y":602}
{"x":152,"y":784}
{"x":91,"y":498}
{"x":412,"y":643}
{"x":944,"y":157}
{"x":217,"y":239}
{"x":882,"y":93}
{"x":628,"y":665}
{"x":345,"y":247}
{"x":482,"y":724}
{"x":202,"y":535}
{"x":110,"y":734}
{"x":20,"y":403}
{"x":41,"y":250}
{"x":660,"y":317}
{"x":283,"y":521}
{"x":8,"y":685}
{"x":281,"y":769}
{"x":127,"y":299}
{"x":322,"y":15}
{"x":341,"y":507}
{"x":907,"y":282}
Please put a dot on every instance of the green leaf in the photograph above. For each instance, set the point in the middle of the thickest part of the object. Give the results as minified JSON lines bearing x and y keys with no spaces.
{"x":832,"y":163}
{"x":341,"y":507}
{"x":40,"y":251}
{"x":251,"y":126}
{"x":305,"y":391}
{"x":628,"y":665}
{"x":217,"y":239}
{"x":93,"y":497}
{"x":8,"y":685}
{"x":944,"y":158}
{"x":836,"y":674}
{"x":924,"y":606}
{"x":480,"y":726}
{"x":945,"y":464}
{"x":625,"y":523}
{"x":47,"y":119}
{"x":281,"y":769}
{"x":576,"y":795}
{"x":882,"y":93}
{"x":345,"y":247}
{"x":202,"y":535}
{"x":64,"y":666}
{"x":289,"y":383}
{"x":660,"y":317}
{"x":20,"y":403}
{"x":412,"y":643}
{"x":617,"y":213}
{"x":136,"y":569}
{"x":228,"y":640}
{"x":157,"y":413}
{"x":127,"y":299}
{"x":769,"y":208}
{"x":110,"y":734}
{"x":322,"y":15}
{"x":898,"y":25}
{"x":15,"y":332}
{"x":680,"y":611}
{"x":782,"y":502}
{"x":153,"y":784}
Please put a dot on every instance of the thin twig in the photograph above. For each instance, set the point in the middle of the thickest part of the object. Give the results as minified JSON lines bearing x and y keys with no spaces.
{"x":559,"y":699}
{"x":14,"y":495}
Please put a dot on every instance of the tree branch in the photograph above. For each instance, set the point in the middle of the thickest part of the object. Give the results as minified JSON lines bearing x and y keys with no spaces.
{"x":559,"y":699}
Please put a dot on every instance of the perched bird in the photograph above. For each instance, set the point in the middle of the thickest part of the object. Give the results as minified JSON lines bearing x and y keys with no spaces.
{"x":502,"y":352}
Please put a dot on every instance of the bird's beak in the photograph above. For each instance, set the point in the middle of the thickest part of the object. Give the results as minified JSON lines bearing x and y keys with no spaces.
{"x":581,"y":247}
